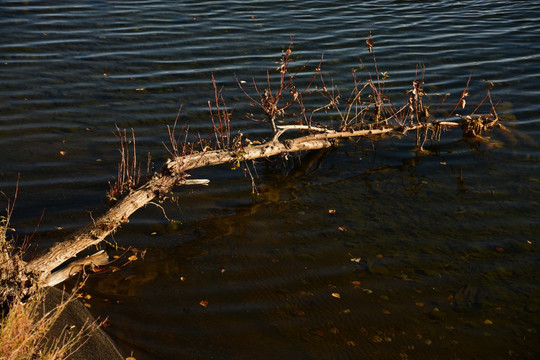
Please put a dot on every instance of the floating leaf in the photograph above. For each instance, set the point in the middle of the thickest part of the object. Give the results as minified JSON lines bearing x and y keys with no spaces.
{"x":369,"y":43}
{"x":336,"y":295}
{"x":356,"y":283}
{"x":331,"y":211}
{"x":376,"y":339}
{"x":133,"y":258}
{"x":203,"y":303}
{"x":488,"y":322}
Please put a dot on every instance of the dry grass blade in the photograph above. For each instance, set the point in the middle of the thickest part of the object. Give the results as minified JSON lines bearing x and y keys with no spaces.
{"x":129,"y":174}
{"x":24,"y":332}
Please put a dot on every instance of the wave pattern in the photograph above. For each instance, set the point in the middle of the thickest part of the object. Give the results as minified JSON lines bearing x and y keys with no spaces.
{"x":424,"y":233}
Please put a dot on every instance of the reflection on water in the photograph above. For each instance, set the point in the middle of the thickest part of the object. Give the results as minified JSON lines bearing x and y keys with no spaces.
{"x":364,"y":251}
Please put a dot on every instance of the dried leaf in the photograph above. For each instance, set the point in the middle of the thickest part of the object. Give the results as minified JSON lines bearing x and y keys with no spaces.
{"x":336,"y":295}
{"x":369,"y":43}
{"x":203,"y":303}
{"x":133,"y":258}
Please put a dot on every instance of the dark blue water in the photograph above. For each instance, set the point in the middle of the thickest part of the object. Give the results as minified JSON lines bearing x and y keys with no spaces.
{"x":445,"y":245}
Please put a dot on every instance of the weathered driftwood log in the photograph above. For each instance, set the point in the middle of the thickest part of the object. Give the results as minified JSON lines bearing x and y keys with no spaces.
{"x":98,"y":259}
{"x":173,"y":174}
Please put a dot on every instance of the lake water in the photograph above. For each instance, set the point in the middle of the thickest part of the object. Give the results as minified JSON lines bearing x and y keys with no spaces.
{"x":421,"y":256}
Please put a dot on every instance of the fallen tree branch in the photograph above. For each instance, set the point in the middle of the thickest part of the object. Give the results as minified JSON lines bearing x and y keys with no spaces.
{"x":374,"y":118}
{"x":173,"y":175}
{"x":98,"y":230}
{"x":98,"y":259}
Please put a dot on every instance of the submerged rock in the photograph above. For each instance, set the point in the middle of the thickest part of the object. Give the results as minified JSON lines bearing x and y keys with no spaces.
{"x":470,"y":297}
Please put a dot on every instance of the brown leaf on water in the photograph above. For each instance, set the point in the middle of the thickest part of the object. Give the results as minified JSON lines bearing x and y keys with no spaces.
{"x":133,"y":258}
{"x":331,"y":211}
{"x":203,"y":303}
{"x":369,"y":43}
{"x":342,"y":228}
{"x":336,"y":295}
{"x":356,"y":283}
{"x":63,"y":153}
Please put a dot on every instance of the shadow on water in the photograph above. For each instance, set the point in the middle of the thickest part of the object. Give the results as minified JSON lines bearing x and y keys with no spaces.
{"x":319,"y":268}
